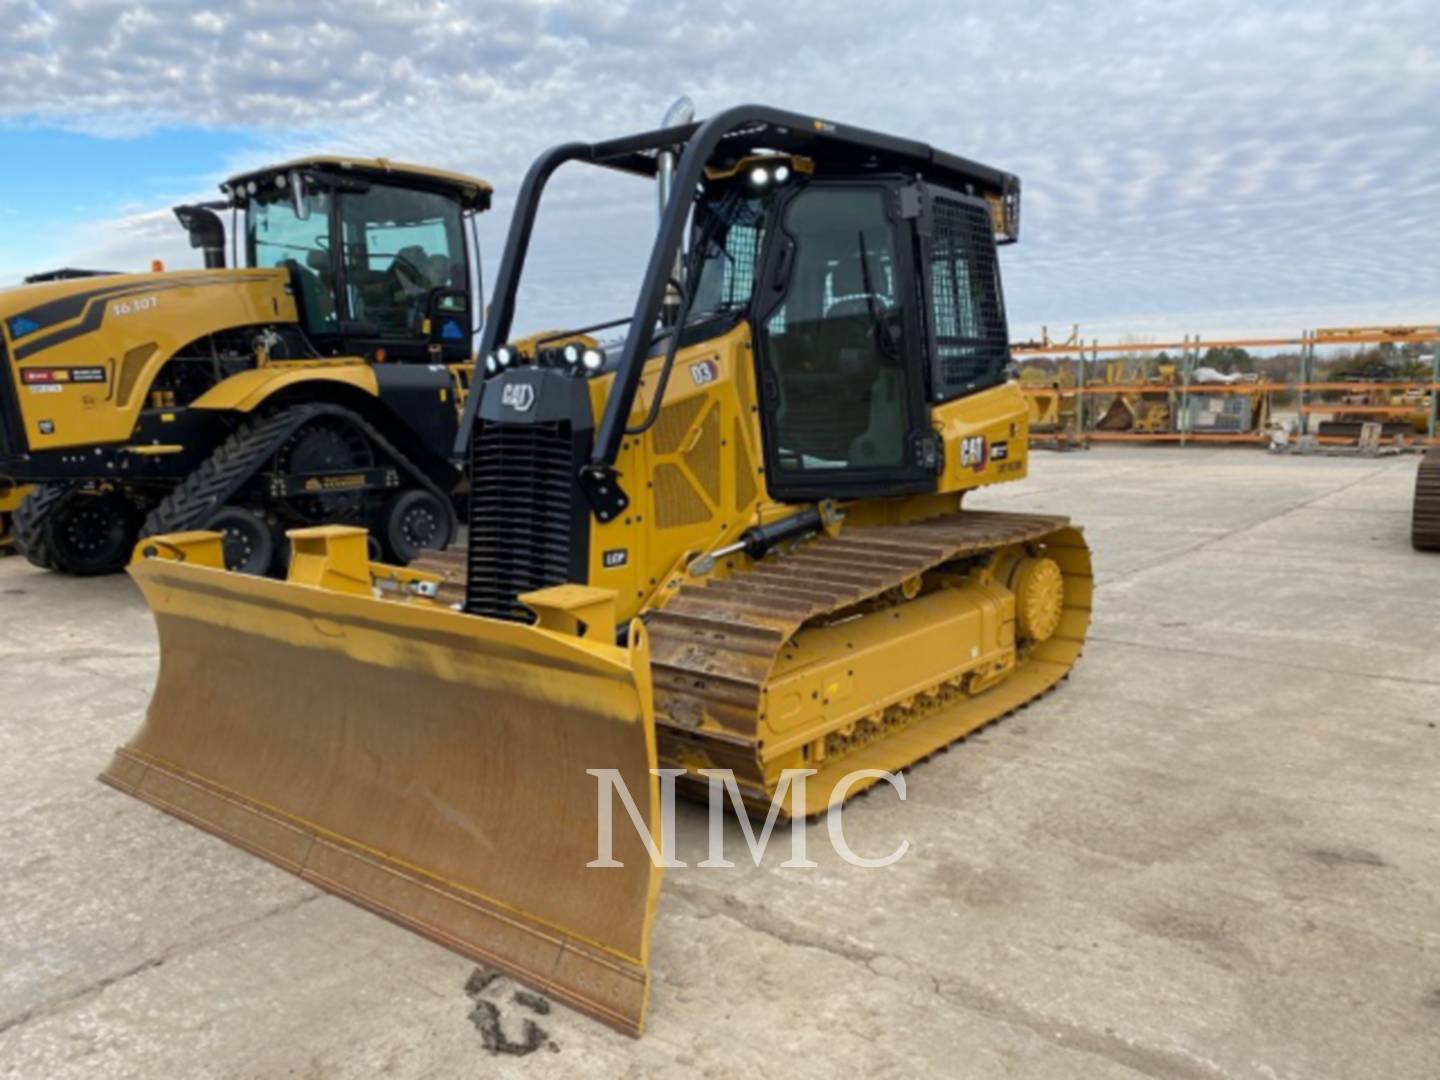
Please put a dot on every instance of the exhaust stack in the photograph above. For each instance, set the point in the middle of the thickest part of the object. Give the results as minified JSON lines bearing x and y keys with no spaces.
{"x":207,"y":232}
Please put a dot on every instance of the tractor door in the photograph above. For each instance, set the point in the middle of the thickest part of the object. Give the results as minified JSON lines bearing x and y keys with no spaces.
{"x":300,"y":243}
{"x":840,"y":347}
{"x":403,"y":260}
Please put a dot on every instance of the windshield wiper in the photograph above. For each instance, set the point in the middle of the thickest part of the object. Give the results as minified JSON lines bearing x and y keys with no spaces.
{"x":884,"y":332}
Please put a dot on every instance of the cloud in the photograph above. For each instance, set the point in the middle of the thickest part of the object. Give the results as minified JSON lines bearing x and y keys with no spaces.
{"x":1177,"y":158}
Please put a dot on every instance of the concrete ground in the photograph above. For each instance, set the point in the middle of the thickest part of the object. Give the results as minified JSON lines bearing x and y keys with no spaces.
{"x":1215,"y":852}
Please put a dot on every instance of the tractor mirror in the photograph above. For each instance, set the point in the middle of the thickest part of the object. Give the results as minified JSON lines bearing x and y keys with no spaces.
{"x":298,"y":195}
{"x":447,"y":317}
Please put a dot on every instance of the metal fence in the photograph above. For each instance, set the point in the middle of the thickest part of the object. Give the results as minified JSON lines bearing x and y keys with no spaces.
{"x":1161,"y":392}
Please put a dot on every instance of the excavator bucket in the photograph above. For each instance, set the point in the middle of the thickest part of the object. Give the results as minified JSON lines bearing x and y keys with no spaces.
{"x":429,"y":765}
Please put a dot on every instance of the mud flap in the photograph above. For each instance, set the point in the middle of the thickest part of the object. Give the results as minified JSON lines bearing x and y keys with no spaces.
{"x":429,"y":765}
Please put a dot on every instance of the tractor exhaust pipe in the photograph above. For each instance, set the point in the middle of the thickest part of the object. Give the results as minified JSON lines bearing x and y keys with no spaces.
{"x":681,"y":111}
{"x":207,"y":232}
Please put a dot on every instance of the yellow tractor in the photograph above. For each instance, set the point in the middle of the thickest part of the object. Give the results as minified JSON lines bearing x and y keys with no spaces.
{"x":724,"y":532}
{"x":318,"y":379}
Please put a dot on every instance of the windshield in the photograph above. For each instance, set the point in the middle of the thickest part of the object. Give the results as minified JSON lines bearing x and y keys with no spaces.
{"x":400,"y":244}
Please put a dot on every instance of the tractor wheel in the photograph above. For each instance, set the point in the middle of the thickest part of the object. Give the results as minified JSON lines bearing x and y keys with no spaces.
{"x":414,"y":521}
{"x":31,"y":519}
{"x":249,"y":541}
{"x":327,"y":444}
{"x":87,"y":533}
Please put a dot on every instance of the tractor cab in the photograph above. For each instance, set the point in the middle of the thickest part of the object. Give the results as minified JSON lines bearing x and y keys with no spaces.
{"x":382,"y":257}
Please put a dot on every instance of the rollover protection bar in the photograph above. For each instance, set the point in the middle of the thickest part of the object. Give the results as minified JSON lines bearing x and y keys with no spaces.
{"x":699,"y":142}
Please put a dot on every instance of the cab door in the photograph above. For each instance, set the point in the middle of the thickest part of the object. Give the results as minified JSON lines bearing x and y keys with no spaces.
{"x":403,"y":264}
{"x":840,"y":347}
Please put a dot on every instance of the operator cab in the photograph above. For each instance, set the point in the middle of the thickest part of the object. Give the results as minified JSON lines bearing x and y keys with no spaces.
{"x":382,"y":256}
{"x":871,"y":294}
{"x":865,"y":266}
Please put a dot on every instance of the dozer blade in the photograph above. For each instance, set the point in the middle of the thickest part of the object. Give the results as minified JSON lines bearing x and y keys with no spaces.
{"x":426,"y":764}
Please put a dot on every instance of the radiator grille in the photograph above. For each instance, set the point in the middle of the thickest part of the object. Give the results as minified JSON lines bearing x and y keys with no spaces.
{"x":522,"y":503}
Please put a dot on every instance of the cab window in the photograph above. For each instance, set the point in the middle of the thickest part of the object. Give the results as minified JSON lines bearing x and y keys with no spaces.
{"x":277,"y":237}
{"x":732,"y":232}
{"x":399,"y":246}
{"x":834,"y":351}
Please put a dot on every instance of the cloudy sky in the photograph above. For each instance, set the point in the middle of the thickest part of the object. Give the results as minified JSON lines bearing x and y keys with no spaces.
{"x":1187,"y":166}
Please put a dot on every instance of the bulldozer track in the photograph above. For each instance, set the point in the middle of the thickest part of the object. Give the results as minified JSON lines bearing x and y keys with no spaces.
{"x":1425,"y":526}
{"x":715,"y":645}
{"x":242,"y":455}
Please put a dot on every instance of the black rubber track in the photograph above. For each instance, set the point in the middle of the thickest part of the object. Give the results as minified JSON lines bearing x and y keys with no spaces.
{"x":244,"y":453}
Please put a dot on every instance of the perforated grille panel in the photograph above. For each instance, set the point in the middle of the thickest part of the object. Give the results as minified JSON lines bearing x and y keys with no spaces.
{"x":703,"y":459}
{"x":967,"y":310}
{"x":676,"y":500}
{"x":673,"y":424}
{"x":744,"y":471}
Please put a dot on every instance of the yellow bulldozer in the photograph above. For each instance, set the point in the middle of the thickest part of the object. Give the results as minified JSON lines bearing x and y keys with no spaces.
{"x":722,"y":533}
{"x":317,"y":379}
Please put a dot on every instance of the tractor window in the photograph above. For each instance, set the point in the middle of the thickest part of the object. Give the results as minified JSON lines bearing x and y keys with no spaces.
{"x":835,"y":349}
{"x":277,"y":237}
{"x":399,"y":245}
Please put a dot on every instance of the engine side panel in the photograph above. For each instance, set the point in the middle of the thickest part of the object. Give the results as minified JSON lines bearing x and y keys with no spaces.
{"x":247,"y":391}
{"x":987,"y":438}
{"x":84,"y":353}
{"x":695,"y":478}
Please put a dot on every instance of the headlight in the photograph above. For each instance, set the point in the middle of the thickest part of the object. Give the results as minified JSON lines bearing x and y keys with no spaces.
{"x":759,"y":176}
{"x":573,"y":354}
{"x":782,"y":174}
{"x":492,"y":365}
{"x":594,"y":359}
{"x":504,"y":356}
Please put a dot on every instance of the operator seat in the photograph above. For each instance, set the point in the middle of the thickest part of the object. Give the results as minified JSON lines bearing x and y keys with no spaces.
{"x":317,"y":299}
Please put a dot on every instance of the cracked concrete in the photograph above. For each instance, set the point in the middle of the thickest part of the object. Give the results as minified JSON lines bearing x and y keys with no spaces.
{"x":1210,"y":854}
